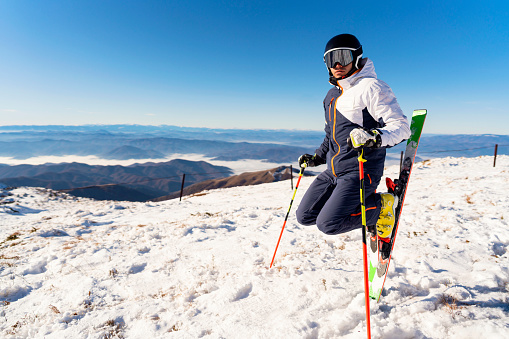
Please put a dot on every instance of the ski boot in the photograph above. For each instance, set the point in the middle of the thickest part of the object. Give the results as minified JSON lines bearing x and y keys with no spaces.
{"x":387,"y":217}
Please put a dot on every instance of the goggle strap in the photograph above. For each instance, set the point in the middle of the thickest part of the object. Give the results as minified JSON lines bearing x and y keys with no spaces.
{"x":334,"y":49}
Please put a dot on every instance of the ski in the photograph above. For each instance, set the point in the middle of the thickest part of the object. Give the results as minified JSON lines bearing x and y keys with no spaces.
{"x":380,"y":251}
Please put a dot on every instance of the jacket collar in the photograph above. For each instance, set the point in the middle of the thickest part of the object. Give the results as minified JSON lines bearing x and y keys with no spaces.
{"x":367,"y":70}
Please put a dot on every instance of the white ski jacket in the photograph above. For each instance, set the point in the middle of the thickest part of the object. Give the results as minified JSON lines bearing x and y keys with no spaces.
{"x":361,"y":100}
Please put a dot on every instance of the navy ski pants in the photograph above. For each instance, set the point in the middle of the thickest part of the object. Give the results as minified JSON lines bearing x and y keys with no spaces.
{"x":334,"y":205}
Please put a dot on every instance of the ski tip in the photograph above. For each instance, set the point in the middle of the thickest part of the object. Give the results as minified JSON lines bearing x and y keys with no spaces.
{"x":420,"y":111}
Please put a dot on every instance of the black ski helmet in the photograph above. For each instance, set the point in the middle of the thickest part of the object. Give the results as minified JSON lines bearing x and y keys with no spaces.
{"x":345,"y":41}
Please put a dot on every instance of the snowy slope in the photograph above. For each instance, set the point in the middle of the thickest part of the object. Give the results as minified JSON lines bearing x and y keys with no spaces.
{"x":77,"y":268}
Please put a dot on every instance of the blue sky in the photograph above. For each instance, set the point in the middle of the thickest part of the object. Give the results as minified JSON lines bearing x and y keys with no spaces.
{"x":246,"y":64}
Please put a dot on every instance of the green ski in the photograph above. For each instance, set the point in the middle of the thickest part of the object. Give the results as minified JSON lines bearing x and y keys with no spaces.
{"x":379,"y":251}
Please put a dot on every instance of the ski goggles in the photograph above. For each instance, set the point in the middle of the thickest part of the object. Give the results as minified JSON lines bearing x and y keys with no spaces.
{"x":341,"y":56}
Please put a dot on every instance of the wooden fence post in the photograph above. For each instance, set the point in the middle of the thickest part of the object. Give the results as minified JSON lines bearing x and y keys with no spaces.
{"x":291,"y":176}
{"x":495,"y":157}
{"x":182,"y":188}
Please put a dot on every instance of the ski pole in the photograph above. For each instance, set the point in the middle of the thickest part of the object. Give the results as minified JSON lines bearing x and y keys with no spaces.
{"x":364,"y":247}
{"x":288,"y":213}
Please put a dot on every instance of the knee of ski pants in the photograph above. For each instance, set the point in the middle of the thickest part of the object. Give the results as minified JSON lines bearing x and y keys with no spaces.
{"x":305,"y":218}
{"x":333,"y":228}
{"x":341,"y":213}
{"x":315,"y":196}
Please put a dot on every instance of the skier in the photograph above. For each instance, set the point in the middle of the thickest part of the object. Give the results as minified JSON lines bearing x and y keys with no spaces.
{"x":360,"y":112}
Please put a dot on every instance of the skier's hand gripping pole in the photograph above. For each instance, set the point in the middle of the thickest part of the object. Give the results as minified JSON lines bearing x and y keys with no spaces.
{"x":364,"y":247}
{"x":303,"y":166}
{"x":361,"y":138}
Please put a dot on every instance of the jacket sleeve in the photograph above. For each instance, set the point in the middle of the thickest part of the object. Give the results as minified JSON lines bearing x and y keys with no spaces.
{"x":383,"y":106}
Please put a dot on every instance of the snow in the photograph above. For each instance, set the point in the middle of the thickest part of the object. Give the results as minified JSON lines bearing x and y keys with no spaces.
{"x":77,"y":268}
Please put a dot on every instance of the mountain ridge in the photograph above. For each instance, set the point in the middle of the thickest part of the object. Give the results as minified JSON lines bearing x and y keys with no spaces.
{"x":158,"y":142}
{"x":148,"y":180}
{"x":244,"y":179}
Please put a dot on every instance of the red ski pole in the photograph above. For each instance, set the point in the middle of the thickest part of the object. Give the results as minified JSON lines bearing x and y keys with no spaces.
{"x":364,"y":248}
{"x":288,"y":213}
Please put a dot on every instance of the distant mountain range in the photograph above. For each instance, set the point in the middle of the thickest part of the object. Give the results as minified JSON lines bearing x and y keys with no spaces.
{"x":124,"y":142}
{"x":139,"y":182}
{"x":131,"y":152}
{"x":66,"y":132}
{"x":462,"y":145}
{"x":36,"y":141}
{"x":456,"y":145}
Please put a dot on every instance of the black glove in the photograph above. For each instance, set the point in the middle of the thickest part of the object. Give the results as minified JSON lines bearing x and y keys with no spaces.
{"x":310,"y":160}
{"x":362,"y":138}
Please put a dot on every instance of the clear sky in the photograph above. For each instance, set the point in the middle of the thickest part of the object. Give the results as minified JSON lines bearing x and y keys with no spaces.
{"x":247,"y":64}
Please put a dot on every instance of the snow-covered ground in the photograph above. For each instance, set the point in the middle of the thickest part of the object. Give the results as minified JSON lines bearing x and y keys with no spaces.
{"x":78,"y":268}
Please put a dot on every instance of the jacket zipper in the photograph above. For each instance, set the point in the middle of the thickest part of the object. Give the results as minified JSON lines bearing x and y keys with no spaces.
{"x":334,"y":132}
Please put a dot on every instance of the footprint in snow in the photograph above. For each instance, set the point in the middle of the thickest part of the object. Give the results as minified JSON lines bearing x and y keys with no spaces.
{"x":36,"y":268}
{"x":143,"y":250}
{"x":137,"y":268}
{"x":243,"y":292}
{"x":499,"y":248}
{"x":458,"y":292}
{"x":14,"y":293}
{"x":53,"y":233}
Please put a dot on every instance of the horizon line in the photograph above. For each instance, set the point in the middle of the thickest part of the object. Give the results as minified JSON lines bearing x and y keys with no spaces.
{"x":209,"y":128}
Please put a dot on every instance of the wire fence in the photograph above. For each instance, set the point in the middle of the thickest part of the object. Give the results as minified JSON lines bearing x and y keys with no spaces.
{"x":141,"y":181}
{"x":183,"y":176}
{"x":461,"y":150}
